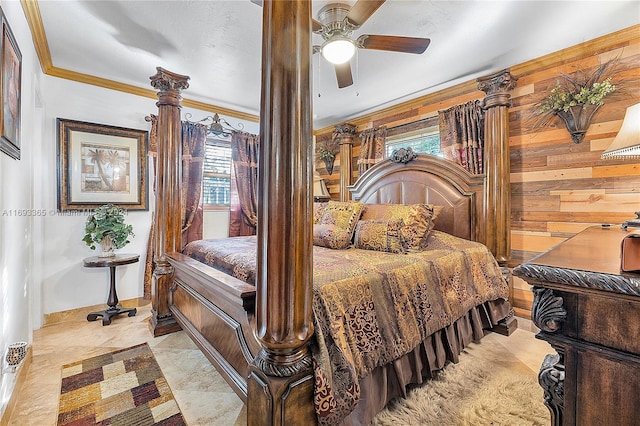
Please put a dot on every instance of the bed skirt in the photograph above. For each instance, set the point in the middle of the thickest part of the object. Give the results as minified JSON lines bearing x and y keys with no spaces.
{"x":391,"y":380}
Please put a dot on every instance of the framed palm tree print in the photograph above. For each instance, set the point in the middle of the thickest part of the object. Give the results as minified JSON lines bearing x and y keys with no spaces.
{"x":100,"y":164}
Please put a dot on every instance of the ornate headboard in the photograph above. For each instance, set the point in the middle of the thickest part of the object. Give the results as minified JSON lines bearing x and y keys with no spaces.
{"x":432,"y":180}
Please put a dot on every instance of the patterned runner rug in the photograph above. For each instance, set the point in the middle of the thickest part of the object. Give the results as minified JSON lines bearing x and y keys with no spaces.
{"x":125,"y":387}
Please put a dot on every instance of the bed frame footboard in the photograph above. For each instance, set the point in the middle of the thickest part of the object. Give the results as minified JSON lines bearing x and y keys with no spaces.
{"x":216,"y":310}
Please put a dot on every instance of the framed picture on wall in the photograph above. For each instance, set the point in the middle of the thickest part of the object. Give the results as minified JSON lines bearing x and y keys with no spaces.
{"x":10,"y":88}
{"x":100,"y":164}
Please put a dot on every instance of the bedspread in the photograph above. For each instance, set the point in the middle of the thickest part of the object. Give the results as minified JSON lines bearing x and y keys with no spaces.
{"x":370,"y":307}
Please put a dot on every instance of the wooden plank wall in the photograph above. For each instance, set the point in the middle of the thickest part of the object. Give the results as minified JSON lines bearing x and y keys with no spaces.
{"x":558,"y":188}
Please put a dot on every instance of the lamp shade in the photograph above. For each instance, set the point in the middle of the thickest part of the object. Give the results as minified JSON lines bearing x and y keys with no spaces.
{"x":338,"y":50}
{"x":627,"y":142}
{"x":320,"y":192}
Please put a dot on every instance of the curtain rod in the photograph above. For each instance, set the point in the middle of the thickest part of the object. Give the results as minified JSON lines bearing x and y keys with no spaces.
{"x":218,"y":126}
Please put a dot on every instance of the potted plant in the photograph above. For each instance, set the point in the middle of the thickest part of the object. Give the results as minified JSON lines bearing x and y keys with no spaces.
{"x":106,"y":227}
{"x":577,"y":97}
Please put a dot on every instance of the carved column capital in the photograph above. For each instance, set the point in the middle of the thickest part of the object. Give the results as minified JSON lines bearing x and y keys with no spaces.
{"x":345,"y":129}
{"x":169,"y":86}
{"x":500,"y":83}
{"x":547,"y":312}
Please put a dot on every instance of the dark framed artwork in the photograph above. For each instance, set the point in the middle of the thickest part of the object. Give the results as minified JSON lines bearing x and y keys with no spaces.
{"x":100,"y":164}
{"x":10,"y":88}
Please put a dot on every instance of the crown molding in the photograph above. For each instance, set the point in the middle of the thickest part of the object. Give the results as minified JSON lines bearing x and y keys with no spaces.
{"x":34,"y":19}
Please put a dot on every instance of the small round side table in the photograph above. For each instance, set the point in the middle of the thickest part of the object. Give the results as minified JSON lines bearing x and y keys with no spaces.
{"x":112,"y":302}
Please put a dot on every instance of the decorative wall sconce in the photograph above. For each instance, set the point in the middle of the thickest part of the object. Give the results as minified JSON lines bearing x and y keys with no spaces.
{"x":577,"y":97}
{"x":577,"y":120}
{"x":327,"y":152}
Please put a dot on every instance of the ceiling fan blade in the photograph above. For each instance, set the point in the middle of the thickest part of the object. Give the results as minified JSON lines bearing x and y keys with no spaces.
{"x":343,"y":74}
{"x":394,"y":43}
{"x":362,"y":10}
{"x":315,"y":25}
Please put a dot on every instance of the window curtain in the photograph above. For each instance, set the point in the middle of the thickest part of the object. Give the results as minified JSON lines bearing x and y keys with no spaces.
{"x":372,"y":147}
{"x":244,"y":184}
{"x":194,"y":136}
{"x":193,"y":151}
{"x":462,"y":135}
{"x":153,"y":154}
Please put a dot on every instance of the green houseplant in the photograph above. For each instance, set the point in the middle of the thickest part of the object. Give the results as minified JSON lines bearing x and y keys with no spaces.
{"x":577,"y":97}
{"x":106,"y":227}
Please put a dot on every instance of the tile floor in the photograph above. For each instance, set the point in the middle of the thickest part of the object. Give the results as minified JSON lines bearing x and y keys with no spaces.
{"x":203,"y":396}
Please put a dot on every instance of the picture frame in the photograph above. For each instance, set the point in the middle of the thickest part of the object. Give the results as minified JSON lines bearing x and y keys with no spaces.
{"x":10,"y":91}
{"x":100,"y":164}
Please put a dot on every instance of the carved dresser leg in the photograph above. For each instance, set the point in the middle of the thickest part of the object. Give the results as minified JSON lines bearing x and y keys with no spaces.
{"x":551,"y":378}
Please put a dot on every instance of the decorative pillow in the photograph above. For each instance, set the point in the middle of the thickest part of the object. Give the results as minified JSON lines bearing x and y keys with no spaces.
{"x":342,"y":214}
{"x":318,"y":210}
{"x":331,"y":236}
{"x":417,"y":218}
{"x":380,"y":235}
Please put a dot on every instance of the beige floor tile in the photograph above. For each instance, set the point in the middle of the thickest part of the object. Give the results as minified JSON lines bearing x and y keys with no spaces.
{"x":202,"y":394}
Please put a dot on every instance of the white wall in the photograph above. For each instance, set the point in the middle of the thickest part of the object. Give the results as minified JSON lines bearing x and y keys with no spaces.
{"x":16,"y":226}
{"x":66,"y":284}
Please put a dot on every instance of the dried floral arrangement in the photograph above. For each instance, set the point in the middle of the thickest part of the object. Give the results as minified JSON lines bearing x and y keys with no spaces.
{"x":576,"y":98}
{"x":327,"y":151}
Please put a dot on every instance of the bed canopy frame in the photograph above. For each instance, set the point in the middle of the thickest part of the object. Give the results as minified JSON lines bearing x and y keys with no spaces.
{"x":279,"y":381}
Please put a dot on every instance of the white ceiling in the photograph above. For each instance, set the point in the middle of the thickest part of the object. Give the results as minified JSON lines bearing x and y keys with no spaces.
{"x":217,"y":44}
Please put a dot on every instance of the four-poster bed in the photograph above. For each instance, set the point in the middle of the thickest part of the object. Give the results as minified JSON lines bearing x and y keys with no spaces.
{"x":258,"y":336}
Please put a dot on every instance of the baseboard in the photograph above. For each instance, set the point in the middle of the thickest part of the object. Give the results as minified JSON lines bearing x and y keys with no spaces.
{"x":81,"y":313}
{"x":20,"y":378}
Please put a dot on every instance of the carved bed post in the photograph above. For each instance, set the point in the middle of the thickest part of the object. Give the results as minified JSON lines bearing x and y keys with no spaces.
{"x":167,"y":213}
{"x":346,"y":133}
{"x":280,"y":383}
{"x":497,"y":197}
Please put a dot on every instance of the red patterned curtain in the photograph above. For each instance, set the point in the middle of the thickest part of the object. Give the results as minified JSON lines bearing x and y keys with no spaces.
{"x":372,"y":147}
{"x":194,"y":136}
{"x":244,"y":184}
{"x":462,"y":135}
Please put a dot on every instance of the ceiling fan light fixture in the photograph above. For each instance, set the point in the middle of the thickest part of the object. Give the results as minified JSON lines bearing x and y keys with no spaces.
{"x":338,"y":50}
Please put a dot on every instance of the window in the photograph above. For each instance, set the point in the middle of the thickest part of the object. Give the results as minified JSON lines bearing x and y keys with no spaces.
{"x":216,"y":182}
{"x":422,"y":141}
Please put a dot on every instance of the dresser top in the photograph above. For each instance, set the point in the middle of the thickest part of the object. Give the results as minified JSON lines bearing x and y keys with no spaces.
{"x":596,"y":249}
{"x":590,"y":259}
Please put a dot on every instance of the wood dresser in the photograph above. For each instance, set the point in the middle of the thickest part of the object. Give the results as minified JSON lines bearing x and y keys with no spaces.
{"x":590,"y":314}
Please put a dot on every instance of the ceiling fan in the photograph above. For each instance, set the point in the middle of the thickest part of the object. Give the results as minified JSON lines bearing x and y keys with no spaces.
{"x":336,"y":23}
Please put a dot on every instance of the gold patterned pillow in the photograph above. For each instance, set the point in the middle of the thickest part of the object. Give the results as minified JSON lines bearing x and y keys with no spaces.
{"x":342,"y":214}
{"x":318,"y":210}
{"x":331,"y":236}
{"x":417,"y":218}
{"x":380,"y":235}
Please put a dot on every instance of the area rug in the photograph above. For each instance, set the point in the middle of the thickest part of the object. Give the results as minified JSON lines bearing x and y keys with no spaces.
{"x":125,"y":387}
{"x":474,"y":392}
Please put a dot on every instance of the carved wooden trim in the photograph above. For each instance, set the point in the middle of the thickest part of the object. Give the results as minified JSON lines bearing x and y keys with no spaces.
{"x":403,"y":155}
{"x":615,"y":283}
{"x":551,"y":379}
{"x":270,"y":366}
{"x":547,"y":312}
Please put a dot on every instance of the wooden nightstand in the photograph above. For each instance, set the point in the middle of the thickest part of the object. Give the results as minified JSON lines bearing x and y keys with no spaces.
{"x":112,"y":262}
